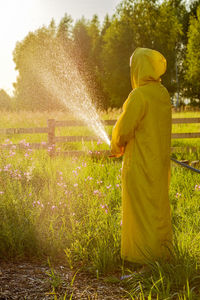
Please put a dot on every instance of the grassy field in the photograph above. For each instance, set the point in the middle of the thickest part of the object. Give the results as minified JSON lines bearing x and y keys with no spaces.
{"x":70,"y":209}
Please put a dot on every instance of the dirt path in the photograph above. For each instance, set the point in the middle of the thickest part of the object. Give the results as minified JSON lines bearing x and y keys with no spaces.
{"x":31,"y":281}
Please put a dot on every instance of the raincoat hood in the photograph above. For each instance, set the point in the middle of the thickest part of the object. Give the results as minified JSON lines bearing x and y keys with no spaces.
{"x":146,"y":65}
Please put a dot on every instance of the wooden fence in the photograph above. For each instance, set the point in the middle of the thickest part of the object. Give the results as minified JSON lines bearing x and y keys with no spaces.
{"x":53,"y":139}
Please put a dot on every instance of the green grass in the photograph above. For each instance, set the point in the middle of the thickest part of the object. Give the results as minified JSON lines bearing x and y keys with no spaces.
{"x":70,"y":209}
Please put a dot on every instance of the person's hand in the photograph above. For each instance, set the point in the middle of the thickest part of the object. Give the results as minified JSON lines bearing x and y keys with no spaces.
{"x":117,"y":155}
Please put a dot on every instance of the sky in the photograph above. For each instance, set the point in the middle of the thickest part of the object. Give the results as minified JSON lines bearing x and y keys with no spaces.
{"x":18,"y":17}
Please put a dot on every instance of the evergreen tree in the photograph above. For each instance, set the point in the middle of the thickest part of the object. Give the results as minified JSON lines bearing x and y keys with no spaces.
{"x":193,"y":7}
{"x":81,"y":38}
{"x":65,"y":28}
{"x":192,"y":62}
{"x":5,"y":101}
{"x":87,"y":49}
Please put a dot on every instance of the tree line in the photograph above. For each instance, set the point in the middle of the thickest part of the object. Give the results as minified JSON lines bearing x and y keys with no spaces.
{"x":101,"y":54}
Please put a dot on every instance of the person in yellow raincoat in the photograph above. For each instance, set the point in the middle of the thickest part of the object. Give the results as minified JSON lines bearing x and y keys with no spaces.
{"x":143,"y":135}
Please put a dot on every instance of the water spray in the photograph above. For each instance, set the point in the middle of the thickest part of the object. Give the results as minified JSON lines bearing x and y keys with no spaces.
{"x":64,"y":82}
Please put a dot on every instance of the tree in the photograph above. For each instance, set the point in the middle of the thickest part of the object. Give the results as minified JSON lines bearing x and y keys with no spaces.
{"x":87,"y":49}
{"x":117,"y":48}
{"x":193,"y":7}
{"x":52,"y":28}
{"x":106,"y":25}
{"x":139,"y":23}
{"x":192,"y":62}
{"x":64,"y":29}
{"x":168,"y":40}
{"x":37,"y":60}
{"x":94,"y":34}
{"x":82,"y":39}
{"x":5,"y":100}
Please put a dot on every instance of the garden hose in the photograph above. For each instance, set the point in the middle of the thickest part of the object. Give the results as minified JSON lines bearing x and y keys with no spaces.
{"x":173,"y":159}
{"x":185,"y":165}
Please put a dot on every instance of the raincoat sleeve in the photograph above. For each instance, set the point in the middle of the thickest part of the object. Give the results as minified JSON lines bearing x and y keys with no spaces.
{"x":123,"y":131}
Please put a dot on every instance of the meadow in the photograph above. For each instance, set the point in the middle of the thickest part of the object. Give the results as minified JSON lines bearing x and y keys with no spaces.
{"x":69,"y":209}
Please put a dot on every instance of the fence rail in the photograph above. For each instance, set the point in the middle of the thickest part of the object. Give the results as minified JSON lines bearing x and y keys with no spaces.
{"x":23,"y":130}
{"x":53,"y":139}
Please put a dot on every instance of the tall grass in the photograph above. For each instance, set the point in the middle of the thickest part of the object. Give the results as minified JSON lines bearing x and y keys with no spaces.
{"x":70,"y":209}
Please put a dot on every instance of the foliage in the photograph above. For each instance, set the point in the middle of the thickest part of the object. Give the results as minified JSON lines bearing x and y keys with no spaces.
{"x":102,"y":52}
{"x":32,"y":57}
{"x":193,"y":7}
{"x":39,"y":57}
{"x":139,"y":24}
{"x":5,"y":101}
{"x":193,"y":58}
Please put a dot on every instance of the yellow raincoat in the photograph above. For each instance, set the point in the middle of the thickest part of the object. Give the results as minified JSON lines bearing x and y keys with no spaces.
{"x":143,"y":134}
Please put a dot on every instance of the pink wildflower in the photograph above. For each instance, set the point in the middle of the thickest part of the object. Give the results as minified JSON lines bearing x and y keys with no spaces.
{"x":22,"y":142}
{"x":7,"y":167}
{"x":178,"y":195}
{"x":108,"y":186}
{"x":12,"y":153}
{"x":105,"y":207}
{"x":99,"y":142}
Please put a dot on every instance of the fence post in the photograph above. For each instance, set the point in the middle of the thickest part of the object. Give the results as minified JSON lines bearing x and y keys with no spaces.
{"x":51,"y":136}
